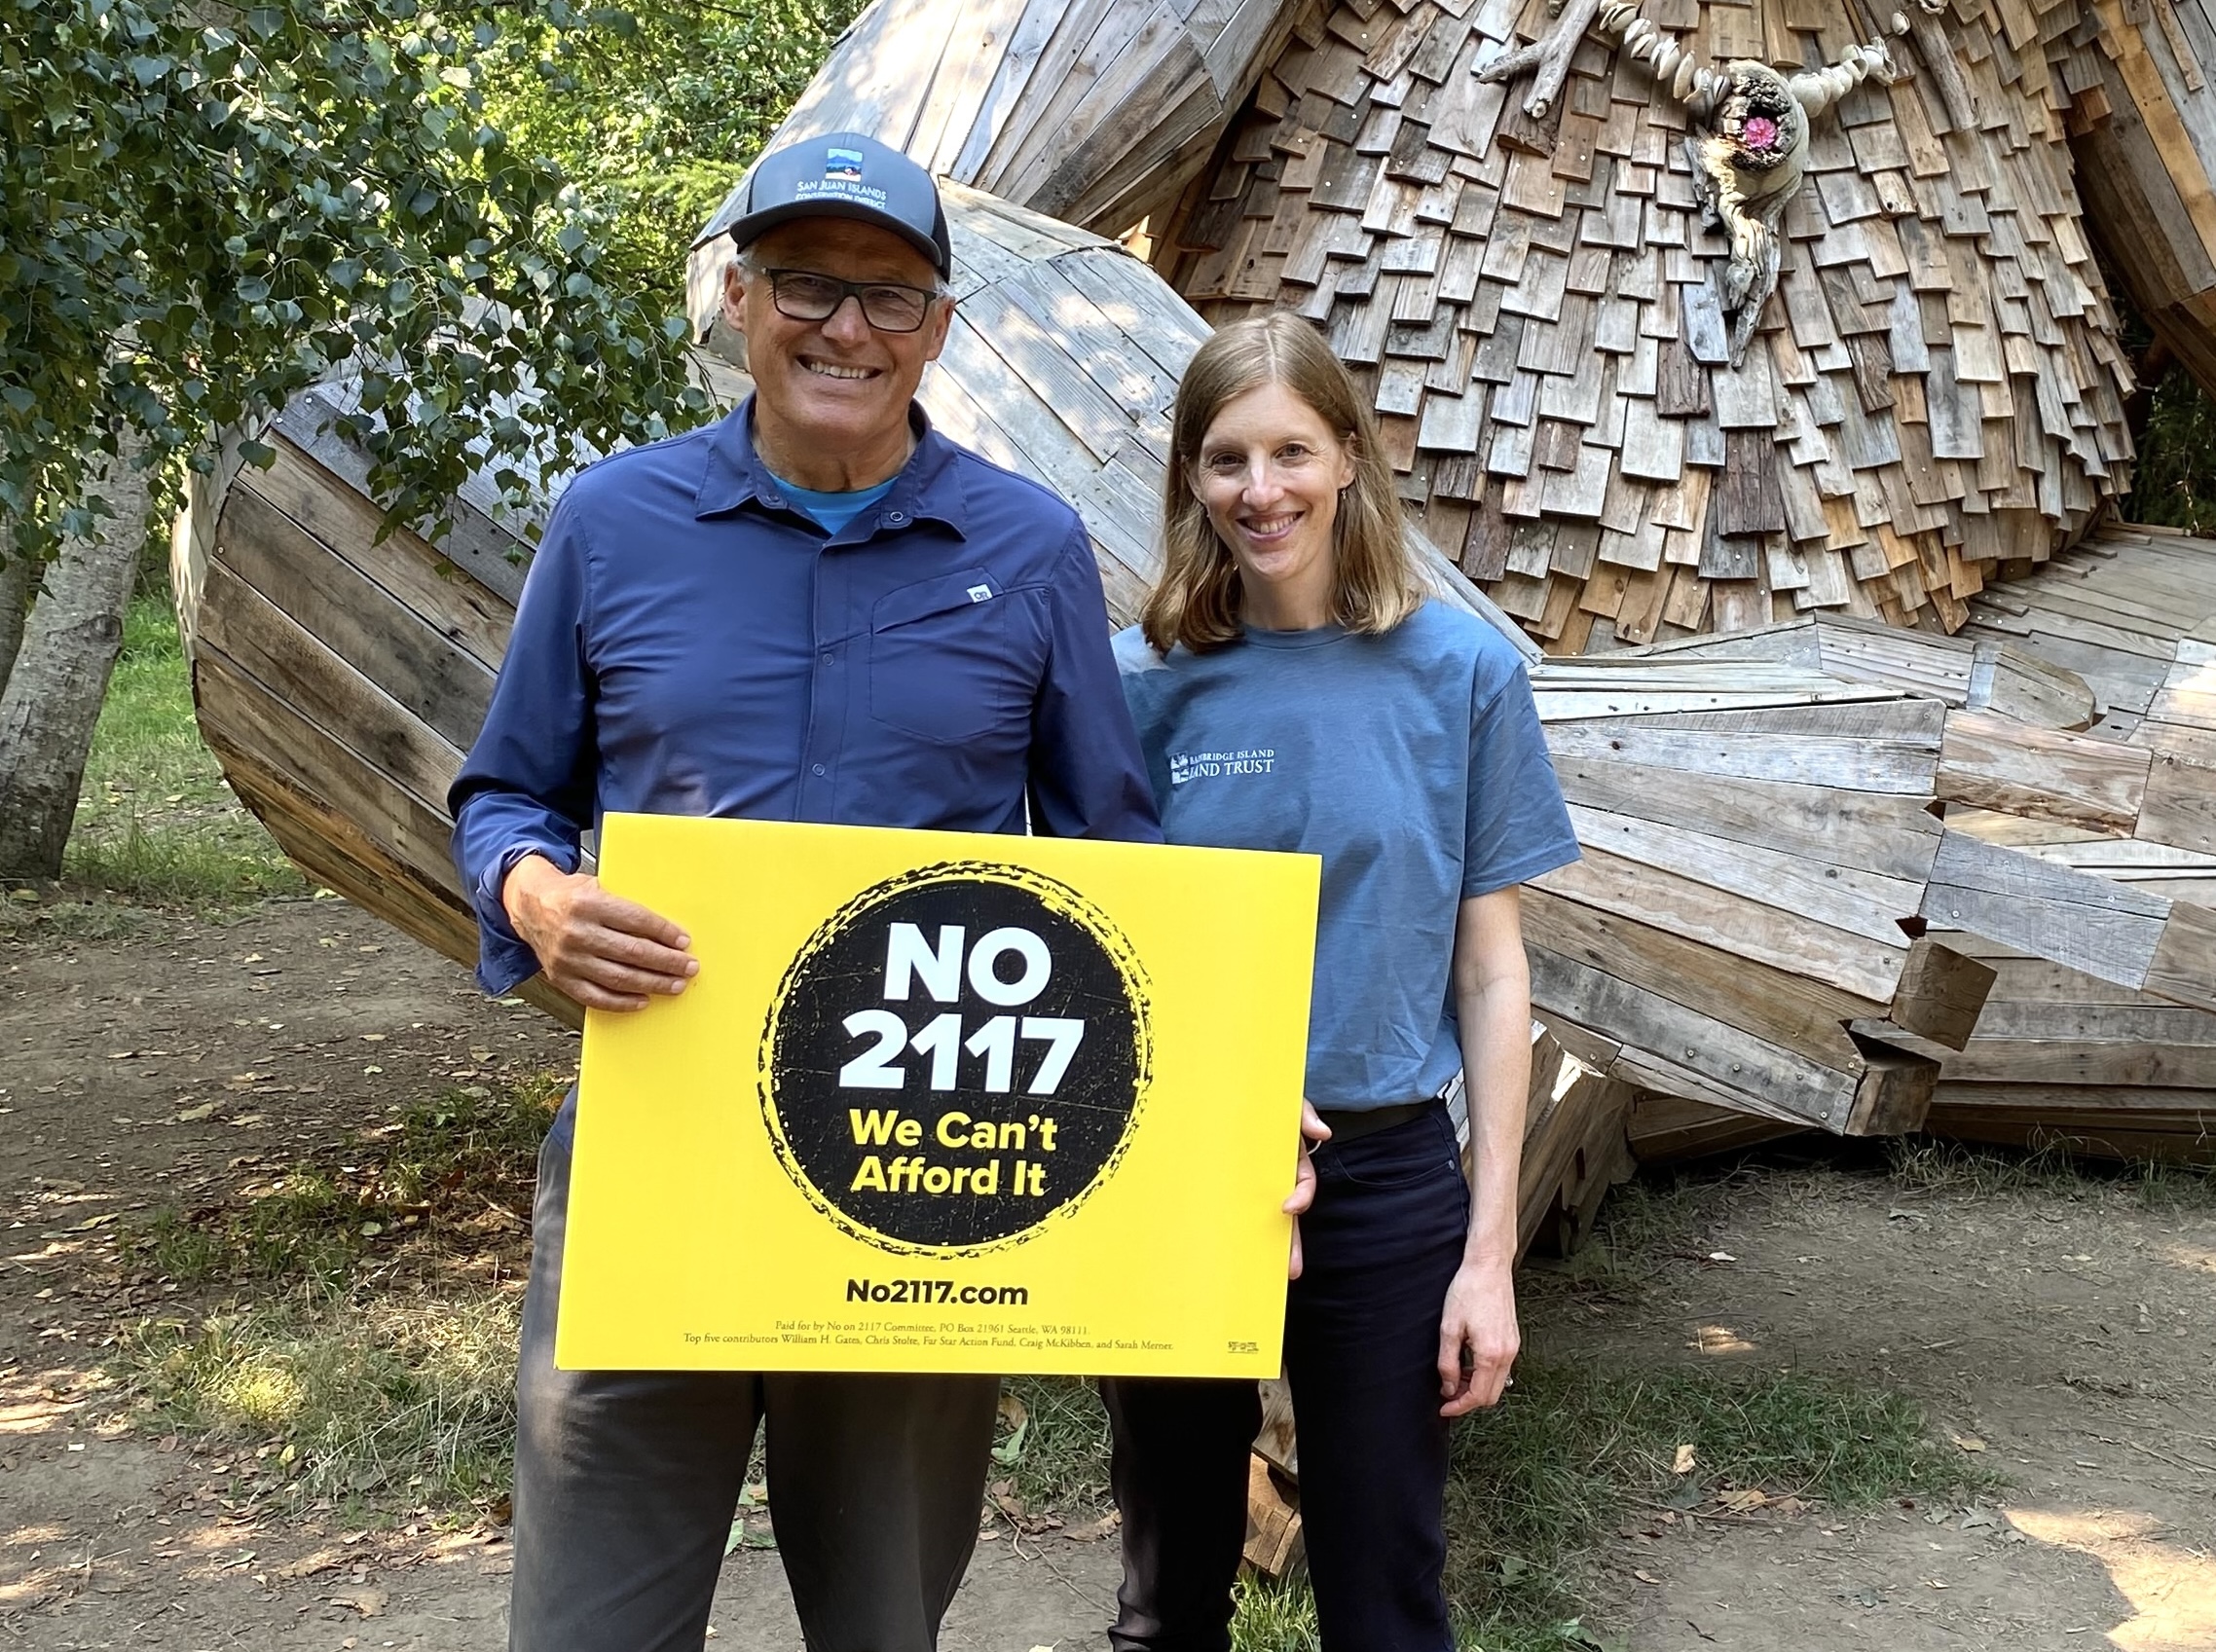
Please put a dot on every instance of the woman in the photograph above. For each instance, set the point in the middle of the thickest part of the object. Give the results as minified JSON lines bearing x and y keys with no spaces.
{"x":1397,"y":739}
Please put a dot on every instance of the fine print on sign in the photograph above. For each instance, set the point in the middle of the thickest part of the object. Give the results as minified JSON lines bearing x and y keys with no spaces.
{"x":944,"y":1102}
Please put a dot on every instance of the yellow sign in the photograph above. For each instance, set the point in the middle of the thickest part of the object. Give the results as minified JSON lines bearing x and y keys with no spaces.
{"x":942,"y":1101}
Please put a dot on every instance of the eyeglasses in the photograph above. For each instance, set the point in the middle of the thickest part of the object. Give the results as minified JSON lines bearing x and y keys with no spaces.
{"x":803,"y":295}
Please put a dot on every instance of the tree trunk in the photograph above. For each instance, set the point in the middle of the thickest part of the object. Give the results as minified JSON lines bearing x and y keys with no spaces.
{"x":69,"y":647}
{"x":15,"y":598}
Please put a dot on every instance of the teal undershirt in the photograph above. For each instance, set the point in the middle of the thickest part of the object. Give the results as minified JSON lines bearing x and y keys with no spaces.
{"x":833,"y":511}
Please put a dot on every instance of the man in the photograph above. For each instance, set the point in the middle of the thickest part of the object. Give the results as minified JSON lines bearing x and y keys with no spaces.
{"x":815,"y":609}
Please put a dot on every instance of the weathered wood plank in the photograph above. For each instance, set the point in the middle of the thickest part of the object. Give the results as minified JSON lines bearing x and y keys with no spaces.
{"x":1994,"y":762}
{"x":1729,"y":1060}
{"x":438,"y":682}
{"x":1727,"y":921}
{"x":1780,"y":1006}
{"x":1889,"y":834}
{"x":2070,"y":917}
{"x":468,"y":614}
{"x":258,"y":639}
{"x":1861,"y":902}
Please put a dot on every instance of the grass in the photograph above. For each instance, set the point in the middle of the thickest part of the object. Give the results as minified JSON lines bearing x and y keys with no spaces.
{"x":1269,"y":1616}
{"x":1057,"y":1455}
{"x":1539,"y":1481}
{"x":156,"y":823}
{"x":1926,"y":1164}
{"x":370,"y":1401}
{"x":450,"y":1169}
{"x":352,"y":1382}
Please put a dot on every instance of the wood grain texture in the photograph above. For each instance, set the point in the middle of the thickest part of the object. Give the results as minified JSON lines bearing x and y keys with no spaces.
{"x":1942,"y":358}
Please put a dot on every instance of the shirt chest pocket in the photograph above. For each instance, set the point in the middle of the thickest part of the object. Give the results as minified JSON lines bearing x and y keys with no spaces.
{"x":943,"y":663}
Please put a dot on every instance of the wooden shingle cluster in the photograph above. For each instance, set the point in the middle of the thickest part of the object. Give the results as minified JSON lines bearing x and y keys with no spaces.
{"x":1934,"y":393}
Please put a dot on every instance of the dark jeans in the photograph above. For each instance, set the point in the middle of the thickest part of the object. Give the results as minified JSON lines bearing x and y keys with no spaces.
{"x":626,"y":1482}
{"x":1380,"y":1245}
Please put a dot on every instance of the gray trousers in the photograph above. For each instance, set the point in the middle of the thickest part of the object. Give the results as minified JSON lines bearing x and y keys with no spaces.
{"x":626,"y":1484}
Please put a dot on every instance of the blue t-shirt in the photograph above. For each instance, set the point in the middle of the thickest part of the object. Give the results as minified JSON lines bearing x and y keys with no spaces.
{"x":1412,"y":762}
{"x":835,"y":510}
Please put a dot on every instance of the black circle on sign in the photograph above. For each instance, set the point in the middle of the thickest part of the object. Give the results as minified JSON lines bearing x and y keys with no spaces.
{"x":902,"y":1195}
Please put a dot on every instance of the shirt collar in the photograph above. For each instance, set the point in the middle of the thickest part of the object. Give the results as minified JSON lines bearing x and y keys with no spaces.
{"x":928,"y":488}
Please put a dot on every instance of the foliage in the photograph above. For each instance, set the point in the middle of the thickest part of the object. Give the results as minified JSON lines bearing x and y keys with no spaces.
{"x":199,"y":217}
{"x":2174,"y":481}
{"x":655,"y":111}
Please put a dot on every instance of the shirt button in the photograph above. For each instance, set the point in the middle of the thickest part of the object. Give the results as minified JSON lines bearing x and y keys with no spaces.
{"x":816,"y":769}
{"x":896,"y":517}
{"x":825,"y":658}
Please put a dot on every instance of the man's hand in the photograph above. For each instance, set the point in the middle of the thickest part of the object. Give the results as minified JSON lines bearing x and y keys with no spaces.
{"x":604,"y":951}
{"x":1478,"y":1338}
{"x":1312,"y":1129}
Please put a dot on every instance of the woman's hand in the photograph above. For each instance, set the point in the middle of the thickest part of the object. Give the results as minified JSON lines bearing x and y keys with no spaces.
{"x":1478,"y":1338}
{"x":1312,"y":1129}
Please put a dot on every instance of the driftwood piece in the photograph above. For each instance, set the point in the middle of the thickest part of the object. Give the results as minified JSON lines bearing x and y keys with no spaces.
{"x":1546,"y":60}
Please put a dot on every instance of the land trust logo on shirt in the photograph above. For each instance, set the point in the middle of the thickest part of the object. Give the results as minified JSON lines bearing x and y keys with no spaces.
{"x":1211,"y":765}
{"x":955,"y":1057}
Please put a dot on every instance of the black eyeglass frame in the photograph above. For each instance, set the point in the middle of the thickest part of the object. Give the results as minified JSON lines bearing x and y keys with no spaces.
{"x":859,"y":291}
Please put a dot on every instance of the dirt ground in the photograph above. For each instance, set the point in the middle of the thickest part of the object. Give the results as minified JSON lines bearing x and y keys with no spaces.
{"x":2069,"y":1338}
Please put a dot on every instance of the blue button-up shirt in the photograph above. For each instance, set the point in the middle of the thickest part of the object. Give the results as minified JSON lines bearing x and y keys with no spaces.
{"x":690,"y":644}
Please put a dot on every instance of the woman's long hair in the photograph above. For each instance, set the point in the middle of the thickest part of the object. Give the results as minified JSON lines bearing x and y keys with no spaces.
{"x":1196,"y":599}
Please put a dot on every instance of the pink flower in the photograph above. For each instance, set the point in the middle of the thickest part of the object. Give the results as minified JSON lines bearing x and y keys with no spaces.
{"x":1760,"y":133}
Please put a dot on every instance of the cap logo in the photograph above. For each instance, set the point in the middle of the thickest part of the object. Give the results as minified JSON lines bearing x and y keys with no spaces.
{"x":842,"y":166}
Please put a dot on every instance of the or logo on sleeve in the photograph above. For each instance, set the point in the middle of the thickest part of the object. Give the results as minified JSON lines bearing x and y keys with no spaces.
{"x":1187,"y":766}
{"x":955,"y":1057}
{"x":981,"y":593}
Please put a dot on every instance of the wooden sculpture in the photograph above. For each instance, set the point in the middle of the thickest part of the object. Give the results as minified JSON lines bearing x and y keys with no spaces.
{"x":1772,"y":918}
{"x":1750,"y":150}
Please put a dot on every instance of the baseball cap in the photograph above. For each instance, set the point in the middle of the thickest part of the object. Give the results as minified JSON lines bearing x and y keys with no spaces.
{"x":845,"y":175}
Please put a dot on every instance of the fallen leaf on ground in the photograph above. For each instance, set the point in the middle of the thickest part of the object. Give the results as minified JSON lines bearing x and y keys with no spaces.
{"x":1682,"y":1463}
